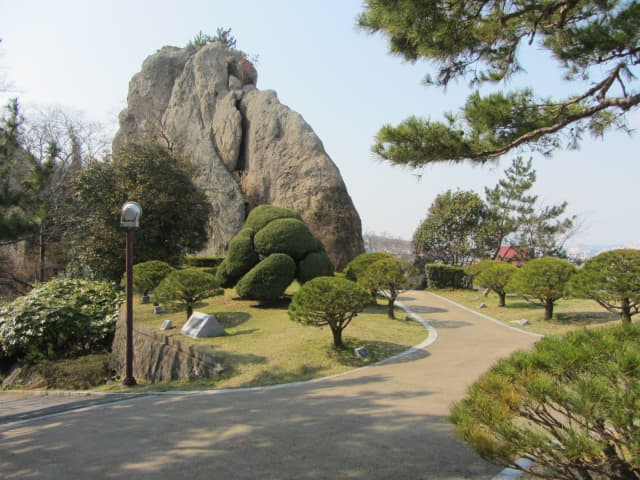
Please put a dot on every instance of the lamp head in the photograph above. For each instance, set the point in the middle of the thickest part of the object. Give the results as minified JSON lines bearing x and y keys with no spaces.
{"x":130,"y":216}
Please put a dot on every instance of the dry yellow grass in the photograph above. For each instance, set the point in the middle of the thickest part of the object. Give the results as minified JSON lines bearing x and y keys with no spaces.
{"x":264,"y":347}
{"x":568,"y":314}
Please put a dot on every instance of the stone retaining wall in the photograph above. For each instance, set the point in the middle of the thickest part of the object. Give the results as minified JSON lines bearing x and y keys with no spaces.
{"x":160,"y":358}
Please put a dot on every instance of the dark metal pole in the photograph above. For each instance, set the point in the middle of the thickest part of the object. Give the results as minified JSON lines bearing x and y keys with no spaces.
{"x":129,"y":380}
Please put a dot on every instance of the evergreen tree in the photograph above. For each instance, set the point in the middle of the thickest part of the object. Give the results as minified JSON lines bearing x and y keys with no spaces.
{"x":452,"y":232}
{"x":516,"y":217}
{"x":596,"y":42}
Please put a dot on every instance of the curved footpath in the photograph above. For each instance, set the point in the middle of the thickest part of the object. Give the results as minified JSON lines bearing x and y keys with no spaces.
{"x":383,"y":422}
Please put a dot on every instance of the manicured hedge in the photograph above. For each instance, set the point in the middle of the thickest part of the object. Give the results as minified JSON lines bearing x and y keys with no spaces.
{"x":446,"y":276}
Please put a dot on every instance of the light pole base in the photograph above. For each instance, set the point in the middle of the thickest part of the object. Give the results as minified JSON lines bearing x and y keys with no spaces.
{"x":129,"y":382}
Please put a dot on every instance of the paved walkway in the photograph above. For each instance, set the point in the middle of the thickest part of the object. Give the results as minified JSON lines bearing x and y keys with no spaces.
{"x":383,"y":422}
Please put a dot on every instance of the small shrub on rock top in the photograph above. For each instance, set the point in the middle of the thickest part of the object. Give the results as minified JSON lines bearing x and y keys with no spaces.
{"x":267,"y":281}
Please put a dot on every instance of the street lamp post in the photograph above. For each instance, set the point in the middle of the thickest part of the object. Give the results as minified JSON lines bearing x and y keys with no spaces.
{"x":129,"y":221}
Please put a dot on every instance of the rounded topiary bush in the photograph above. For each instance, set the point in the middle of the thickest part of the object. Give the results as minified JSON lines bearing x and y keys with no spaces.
{"x":267,"y":281}
{"x":242,"y":255}
{"x":356,"y":267}
{"x":285,"y":235}
{"x":263,"y":214}
{"x":148,"y":275}
{"x":315,"y":264}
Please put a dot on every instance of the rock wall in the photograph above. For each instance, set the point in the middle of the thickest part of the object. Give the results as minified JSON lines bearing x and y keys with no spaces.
{"x":249,"y":148}
{"x":160,"y":358}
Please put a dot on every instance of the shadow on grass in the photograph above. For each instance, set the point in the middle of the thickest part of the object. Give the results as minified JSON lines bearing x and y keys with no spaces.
{"x":231,"y":319}
{"x":377,"y":351}
{"x":585,"y":318}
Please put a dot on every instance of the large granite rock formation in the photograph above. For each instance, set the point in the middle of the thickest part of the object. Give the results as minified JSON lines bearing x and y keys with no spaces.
{"x":250,"y":149}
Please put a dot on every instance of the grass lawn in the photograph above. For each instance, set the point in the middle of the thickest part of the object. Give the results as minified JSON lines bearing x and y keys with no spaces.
{"x":264,"y":347}
{"x":568,"y":313}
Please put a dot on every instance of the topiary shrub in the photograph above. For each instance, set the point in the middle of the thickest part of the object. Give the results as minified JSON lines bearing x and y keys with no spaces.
{"x":285,"y":235}
{"x":272,"y":230}
{"x":315,"y":264}
{"x":147,"y":275}
{"x":242,"y":255}
{"x":263,"y":214}
{"x":59,"y":319}
{"x":446,"y":276}
{"x":328,"y":301}
{"x":358,"y":265}
{"x":542,"y":281}
{"x":267,"y":281}
{"x":186,"y":288}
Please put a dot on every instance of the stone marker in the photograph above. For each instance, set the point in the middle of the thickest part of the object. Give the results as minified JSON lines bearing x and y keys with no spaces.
{"x":361,"y":352}
{"x":482,"y":305}
{"x":166,"y":325}
{"x":158,"y":309}
{"x":202,"y":325}
{"x":146,"y":299}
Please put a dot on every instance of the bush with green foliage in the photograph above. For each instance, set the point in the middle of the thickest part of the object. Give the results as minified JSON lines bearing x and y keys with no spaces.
{"x":358,"y":265}
{"x":186,"y":288}
{"x":59,"y":319}
{"x":285,"y":235}
{"x":497,"y":277}
{"x":542,"y":281}
{"x":148,"y":275}
{"x":446,"y":276}
{"x":329,"y":301}
{"x":476,"y":268}
{"x":240,"y":258}
{"x":388,"y":277}
{"x":260,"y":216}
{"x":267,"y":281}
{"x":269,"y":230}
{"x":315,"y":264}
{"x":570,"y":406}
{"x":613,"y":280}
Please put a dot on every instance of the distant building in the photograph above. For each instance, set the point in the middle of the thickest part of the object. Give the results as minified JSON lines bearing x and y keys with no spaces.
{"x":515,"y":255}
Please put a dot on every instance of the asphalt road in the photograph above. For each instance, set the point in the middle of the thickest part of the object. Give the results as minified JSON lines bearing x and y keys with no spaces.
{"x":383,"y":422}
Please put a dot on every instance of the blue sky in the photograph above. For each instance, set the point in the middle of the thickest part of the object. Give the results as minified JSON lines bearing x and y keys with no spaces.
{"x":81,"y":54}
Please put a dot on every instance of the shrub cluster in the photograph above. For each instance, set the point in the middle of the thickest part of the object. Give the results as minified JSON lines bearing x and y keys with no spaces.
{"x":255,"y":263}
{"x":58,"y":319}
